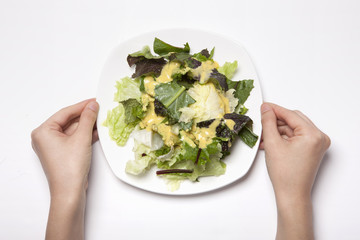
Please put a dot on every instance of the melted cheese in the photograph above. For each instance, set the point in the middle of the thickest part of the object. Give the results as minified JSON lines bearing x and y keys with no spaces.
{"x":168,"y":70}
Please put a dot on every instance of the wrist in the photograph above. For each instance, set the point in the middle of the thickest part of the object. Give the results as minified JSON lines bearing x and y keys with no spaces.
{"x":68,"y":193}
{"x":291,"y":201}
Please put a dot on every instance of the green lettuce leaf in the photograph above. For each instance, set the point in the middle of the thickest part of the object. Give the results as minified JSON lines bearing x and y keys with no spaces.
{"x":173,"y":97}
{"x":119,"y":131}
{"x":126,"y":89}
{"x":229,"y":69}
{"x":133,"y":111}
{"x":145,"y":52}
{"x":163,"y":48}
{"x":144,"y":159}
{"x":204,"y":55}
{"x":242,"y":89}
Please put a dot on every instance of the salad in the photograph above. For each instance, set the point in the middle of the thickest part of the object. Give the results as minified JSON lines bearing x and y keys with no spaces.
{"x":183,"y":111}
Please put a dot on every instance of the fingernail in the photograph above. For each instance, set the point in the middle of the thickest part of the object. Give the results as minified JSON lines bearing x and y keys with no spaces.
{"x":93,"y":106}
{"x":265,"y":107}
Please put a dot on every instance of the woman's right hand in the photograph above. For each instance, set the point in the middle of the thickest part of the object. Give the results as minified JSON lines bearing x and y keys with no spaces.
{"x":294,"y":148}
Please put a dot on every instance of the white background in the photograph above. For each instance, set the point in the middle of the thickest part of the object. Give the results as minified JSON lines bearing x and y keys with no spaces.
{"x":307,"y":56}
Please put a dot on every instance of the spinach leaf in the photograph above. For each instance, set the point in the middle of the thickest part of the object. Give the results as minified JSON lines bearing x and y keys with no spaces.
{"x":173,"y":97}
{"x":163,"y":48}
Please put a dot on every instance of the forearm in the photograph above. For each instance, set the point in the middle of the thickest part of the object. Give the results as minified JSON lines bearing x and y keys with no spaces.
{"x":66,"y":217}
{"x":294,"y":218}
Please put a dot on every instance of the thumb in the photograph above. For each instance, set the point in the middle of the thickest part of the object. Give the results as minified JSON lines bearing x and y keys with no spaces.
{"x":87,"y":120}
{"x":269,"y":123}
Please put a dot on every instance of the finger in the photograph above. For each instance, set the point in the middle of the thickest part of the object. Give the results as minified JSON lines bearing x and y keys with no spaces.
{"x":95,"y":136}
{"x":292,"y":119}
{"x":286,"y":130}
{"x":269,"y":123}
{"x":281,"y":123}
{"x":67,"y":114}
{"x":87,"y":121}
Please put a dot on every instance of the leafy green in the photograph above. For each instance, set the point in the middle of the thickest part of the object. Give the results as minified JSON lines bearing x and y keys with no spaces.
{"x":144,"y":66}
{"x":133,"y":111}
{"x":240,"y":121}
{"x":183,"y":80}
{"x":144,"y":159}
{"x":163,"y":48}
{"x":162,"y":151}
{"x":173,"y":97}
{"x":186,"y":126}
{"x":144,"y":52}
{"x":142,"y":84}
{"x":126,"y":89}
{"x":219,"y":80}
{"x":228,"y":69}
{"x":204,"y":55}
{"x":248,"y":137}
{"x":119,"y":131}
{"x":242,"y":89}
{"x":200,"y":156}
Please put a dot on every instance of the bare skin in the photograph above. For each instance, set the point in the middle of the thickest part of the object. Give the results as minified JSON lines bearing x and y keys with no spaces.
{"x":294,"y":148}
{"x":63,"y":144}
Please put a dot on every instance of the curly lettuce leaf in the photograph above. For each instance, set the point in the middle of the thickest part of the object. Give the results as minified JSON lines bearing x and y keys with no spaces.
{"x":228,"y":69}
{"x":119,"y":131}
{"x":126,"y":89}
{"x":144,"y":159}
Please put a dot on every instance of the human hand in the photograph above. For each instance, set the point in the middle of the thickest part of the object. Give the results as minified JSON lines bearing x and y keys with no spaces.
{"x":63,"y":144}
{"x":294,"y":148}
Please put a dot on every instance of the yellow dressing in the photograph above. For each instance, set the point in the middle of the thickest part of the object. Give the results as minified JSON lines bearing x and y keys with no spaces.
{"x":168,"y":70}
{"x":188,"y":138}
{"x":204,"y":136}
{"x":204,"y":70}
{"x":230,"y":123}
{"x":149,"y":84}
{"x":153,"y":122}
{"x":225,"y":102}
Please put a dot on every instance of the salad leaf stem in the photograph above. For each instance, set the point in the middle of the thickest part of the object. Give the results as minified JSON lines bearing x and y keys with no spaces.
{"x":171,"y":100}
{"x":197,"y":156}
{"x":167,"y":171}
